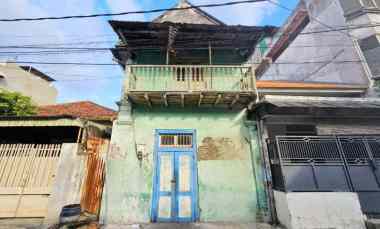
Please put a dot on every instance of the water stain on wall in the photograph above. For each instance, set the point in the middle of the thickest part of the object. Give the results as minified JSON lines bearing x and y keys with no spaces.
{"x":221,"y":149}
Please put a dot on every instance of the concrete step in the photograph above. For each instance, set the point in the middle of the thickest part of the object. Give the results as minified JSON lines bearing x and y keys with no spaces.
{"x":21,"y":223}
{"x":373,"y":223}
{"x":194,"y":226}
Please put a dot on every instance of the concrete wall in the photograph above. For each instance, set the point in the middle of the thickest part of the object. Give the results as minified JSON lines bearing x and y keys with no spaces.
{"x":371,"y":53}
{"x":68,"y":181}
{"x":16,"y":79}
{"x":338,"y":210}
{"x":226,"y":176}
{"x":320,"y":57}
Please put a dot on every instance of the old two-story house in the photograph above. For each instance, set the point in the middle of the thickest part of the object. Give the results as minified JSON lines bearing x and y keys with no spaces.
{"x":28,"y":81}
{"x":181,"y":148}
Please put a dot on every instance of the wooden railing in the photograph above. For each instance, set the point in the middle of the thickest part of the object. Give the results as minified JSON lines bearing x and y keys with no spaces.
{"x":189,"y":78}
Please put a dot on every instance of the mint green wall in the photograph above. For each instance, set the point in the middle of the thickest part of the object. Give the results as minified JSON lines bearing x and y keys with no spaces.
{"x":227,"y":178}
{"x":165,"y":79}
{"x":219,"y":57}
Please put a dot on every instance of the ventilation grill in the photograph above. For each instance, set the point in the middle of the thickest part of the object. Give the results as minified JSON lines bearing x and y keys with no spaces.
{"x":176,"y":140}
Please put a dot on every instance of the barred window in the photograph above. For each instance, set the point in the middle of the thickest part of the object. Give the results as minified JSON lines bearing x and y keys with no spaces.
{"x":176,"y":140}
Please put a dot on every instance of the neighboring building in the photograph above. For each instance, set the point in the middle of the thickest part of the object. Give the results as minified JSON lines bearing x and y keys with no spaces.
{"x":322,"y":152}
{"x":363,"y":16}
{"x":322,"y":156}
{"x":83,"y":109}
{"x":28,"y":81}
{"x":50,"y":160}
{"x":314,"y":45}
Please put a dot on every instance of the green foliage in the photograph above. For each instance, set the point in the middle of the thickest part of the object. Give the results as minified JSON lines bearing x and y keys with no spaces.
{"x":16,"y":104}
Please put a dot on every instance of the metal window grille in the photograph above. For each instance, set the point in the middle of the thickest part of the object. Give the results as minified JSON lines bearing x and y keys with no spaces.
{"x":330,"y":164}
{"x":176,"y":140}
{"x":28,"y":165}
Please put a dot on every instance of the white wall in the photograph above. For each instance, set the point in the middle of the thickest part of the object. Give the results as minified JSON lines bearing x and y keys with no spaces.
{"x":319,"y":210}
{"x":68,"y":182}
{"x":335,"y":54}
{"x":16,"y":79}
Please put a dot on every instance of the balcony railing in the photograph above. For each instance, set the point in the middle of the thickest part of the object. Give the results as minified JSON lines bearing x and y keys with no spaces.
{"x":190,"y":78}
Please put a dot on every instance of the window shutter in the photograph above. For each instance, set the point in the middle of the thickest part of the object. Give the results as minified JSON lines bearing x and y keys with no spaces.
{"x":350,"y":6}
{"x":368,"y":3}
{"x":370,"y":47}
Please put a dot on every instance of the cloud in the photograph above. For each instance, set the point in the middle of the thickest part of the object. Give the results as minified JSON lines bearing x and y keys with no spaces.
{"x":122,"y":6}
{"x":243,"y":14}
{"x":72,"y":81}
{"x":78,"y":32}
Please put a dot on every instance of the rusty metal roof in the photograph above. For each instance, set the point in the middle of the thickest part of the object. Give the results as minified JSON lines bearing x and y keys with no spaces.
{"x":321,"y":102}
{"x":149,"y":35}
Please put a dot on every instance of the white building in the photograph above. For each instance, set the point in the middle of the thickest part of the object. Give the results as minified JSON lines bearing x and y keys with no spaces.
{"x":28,"y":81}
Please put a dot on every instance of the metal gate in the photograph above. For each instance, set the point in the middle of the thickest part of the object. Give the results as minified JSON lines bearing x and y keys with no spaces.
{"x":331,"y":164}
{"x":97,"y":149}
{"x":27,"y":174}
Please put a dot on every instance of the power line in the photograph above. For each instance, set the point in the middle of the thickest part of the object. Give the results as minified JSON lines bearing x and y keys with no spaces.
{"x":131,"y":12}
{"x":43,"y":46}
{"x":114,"y":64}
{"x":63,"y":63}
{"x":314,"y":18}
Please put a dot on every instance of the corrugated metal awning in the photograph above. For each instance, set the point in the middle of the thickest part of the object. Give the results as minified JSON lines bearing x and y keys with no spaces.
{"x":39,"y":122}
{"x":321,"y":102}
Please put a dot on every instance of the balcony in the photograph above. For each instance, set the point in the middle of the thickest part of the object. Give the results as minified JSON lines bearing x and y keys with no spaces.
{"x":201,"y":85}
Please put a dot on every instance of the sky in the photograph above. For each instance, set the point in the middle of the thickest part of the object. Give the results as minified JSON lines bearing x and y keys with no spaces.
{"x":100,"y":84}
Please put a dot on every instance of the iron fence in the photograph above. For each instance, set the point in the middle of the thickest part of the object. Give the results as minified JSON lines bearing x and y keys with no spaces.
{"x":329,"y":164}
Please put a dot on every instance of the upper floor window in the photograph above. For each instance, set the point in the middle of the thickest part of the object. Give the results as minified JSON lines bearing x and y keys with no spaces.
{"x":370,"y":48}
{"x":351,"y":6}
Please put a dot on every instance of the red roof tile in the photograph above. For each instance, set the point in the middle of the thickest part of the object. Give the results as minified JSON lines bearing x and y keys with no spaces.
{"x":82,"y":109}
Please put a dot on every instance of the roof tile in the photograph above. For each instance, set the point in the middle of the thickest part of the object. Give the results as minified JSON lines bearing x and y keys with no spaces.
{"x":81,"y":109}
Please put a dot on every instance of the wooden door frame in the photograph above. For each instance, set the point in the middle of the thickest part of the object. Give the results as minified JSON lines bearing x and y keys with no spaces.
{"x":194,"y":181}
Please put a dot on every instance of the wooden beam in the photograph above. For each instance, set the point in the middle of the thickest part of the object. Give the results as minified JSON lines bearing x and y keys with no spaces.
{"x":167,"y":56}
{"x":148,"y":102}
{"x":200,"y":99}
{"x":182,"y":99}
{"x":237,"y":97}
{"x":165,"y":97}
{"x":218,"y":99}
{"x":121,"y":34}
{"x":251,"y":105}
{"x":209,"y":53}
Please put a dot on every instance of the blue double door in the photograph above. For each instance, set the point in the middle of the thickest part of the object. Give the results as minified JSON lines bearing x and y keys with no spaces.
{"x":175,"y":182}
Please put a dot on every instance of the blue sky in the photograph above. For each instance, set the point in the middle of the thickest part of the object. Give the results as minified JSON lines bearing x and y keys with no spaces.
{"x":101,"y":84}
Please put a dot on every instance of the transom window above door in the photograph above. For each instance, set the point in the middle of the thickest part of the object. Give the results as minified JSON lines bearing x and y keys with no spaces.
{"x":176,"y":140}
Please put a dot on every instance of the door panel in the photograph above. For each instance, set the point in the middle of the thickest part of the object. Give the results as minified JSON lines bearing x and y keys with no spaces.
{"x":184,"y":190}
{"x":165,"y":189}
{"x":164,"y":207}
{"x":184,"y":207}
{"x":184,"y":173}
{"x":166,"y":172}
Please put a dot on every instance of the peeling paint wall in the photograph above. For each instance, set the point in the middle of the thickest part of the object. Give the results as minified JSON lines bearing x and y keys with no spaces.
{"x":226,"y":177}
{"x":68,"y":181}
